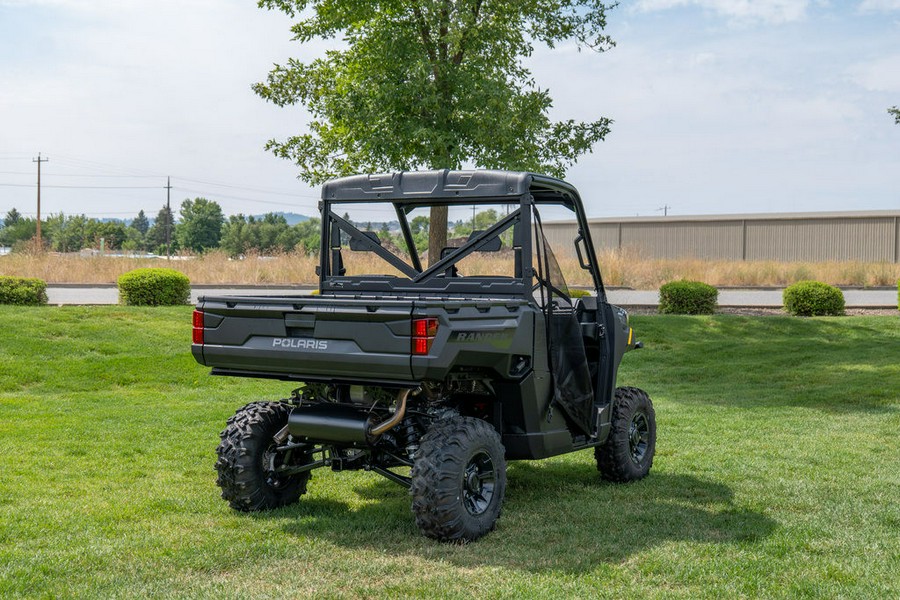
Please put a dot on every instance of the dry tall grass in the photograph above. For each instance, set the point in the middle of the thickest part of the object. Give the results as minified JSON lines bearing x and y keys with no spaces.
{"x":619,"y":269}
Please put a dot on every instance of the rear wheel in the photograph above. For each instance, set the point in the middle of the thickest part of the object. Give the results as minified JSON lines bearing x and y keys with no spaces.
{"x":458,"y":480}
{"x":248,"y":462}
{"x":627,"y":454}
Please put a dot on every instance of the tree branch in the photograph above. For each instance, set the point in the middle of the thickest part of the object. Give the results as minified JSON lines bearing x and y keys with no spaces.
{"x":424,"y":33}
{"x":460,"y":53}
{"x":444,"y":28}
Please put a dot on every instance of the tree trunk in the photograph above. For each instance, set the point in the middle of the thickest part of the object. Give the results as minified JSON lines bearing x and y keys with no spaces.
{"x":437,"y":233}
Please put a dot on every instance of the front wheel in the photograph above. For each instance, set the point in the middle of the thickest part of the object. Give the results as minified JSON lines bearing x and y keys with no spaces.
{"x":248,"y":462}
{"x":458,"y":480}
{"x":627,"y":454}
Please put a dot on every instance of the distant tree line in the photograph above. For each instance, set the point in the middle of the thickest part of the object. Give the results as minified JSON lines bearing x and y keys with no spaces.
{"x":201,"y":227}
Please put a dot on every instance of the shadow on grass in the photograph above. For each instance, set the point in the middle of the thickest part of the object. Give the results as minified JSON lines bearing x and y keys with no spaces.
{"x":556,"y":517}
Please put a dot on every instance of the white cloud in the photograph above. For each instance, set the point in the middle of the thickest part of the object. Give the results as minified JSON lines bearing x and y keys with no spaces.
{"x":879,"y":5}
{"x":878,"y":75}
{"x":164,"y":89}
{"x":754,"y":122}
{"x":769,"y":11}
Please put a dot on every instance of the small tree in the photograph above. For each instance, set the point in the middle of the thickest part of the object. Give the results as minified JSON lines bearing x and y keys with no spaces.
{"x":896,"y":113}
{"x":17,"y":231}
{"x":12,"y":217}
{"x":141,"y":223}
{"x":156,"y":235}
{"x":308,"y":235}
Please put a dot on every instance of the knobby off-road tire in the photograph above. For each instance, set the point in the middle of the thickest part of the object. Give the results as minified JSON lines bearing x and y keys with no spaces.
{"x":246,"y":460}
{"x":458,"y":480}
{"x":627,"y":454}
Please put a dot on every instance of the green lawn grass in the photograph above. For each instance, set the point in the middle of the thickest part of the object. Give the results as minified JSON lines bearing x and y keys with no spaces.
{"x":777,"y":475}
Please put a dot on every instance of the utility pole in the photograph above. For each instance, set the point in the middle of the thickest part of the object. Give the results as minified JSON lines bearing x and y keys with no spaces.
{"x":665,"y":210}
{"x":39,"y":160}
{"x":168,"y":212}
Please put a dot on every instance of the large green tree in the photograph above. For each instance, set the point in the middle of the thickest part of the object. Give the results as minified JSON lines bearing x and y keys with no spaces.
{"x":431,"y":83}
{"x":69,"y":233}
{"x":201,"y":224}
{"x":896,"y":112}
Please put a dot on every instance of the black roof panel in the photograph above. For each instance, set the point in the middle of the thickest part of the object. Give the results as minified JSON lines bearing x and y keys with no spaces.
{"x":416,"y":186}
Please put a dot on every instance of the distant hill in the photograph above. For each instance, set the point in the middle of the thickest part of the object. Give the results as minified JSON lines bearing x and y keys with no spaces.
{"x":291,"y":218}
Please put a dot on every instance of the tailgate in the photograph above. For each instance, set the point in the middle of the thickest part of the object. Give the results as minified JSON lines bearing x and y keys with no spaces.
{"x":307,"y":338}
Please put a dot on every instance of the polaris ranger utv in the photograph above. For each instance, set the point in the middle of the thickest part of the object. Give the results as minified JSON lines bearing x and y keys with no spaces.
{"x":432,"y":376}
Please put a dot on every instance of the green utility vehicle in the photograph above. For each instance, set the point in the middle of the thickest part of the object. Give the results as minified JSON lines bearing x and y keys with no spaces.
{"x":432,"y":376}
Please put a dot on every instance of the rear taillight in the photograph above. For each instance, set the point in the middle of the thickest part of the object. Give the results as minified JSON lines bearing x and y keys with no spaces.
{"x":198,"y":327}
{"x":423,"y":333}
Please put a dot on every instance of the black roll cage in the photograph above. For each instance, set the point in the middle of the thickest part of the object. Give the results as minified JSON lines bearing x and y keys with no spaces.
{"x":410,"y":190}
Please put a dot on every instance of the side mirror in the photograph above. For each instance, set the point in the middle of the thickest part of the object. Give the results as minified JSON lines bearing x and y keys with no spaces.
{"x":579,"y":243}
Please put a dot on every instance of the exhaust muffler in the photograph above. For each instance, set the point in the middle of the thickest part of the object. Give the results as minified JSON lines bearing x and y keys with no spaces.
{"x":342,"y":423}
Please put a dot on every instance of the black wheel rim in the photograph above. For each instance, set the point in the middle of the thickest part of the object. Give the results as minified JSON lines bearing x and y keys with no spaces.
{"x":479,"y":480}
{"x":272,"y":460}
{"x":638,"y":437}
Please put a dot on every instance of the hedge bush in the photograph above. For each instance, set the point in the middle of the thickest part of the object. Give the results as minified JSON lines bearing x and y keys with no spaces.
{"x":578,"y":293}
{"x":23,"y":291}
{"x":154,"y":287}
{"x":813,"y":298}
{"x":688,"y":298}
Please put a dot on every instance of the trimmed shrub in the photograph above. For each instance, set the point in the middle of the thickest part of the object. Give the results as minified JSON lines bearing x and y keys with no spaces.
{"x":687,"y":298}
{"x":154,"y":287}
{"x":813,"y":298}
{"x":23,"y":291}
{"x":578,"y":293}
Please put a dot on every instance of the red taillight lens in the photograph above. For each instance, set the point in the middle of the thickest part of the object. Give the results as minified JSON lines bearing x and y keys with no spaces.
{"x":421,"y":345}
{"x":425,"y":327}
{"x":198,"y":327}
{"x":423,"y":333}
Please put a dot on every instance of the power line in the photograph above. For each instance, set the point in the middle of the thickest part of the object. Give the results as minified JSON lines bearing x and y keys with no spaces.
{"x":86,"y":187}
{"x":106,"y":187}
{"x":97,"y":165}
{"x":242,"y":198}
{"x":122,"y":172}
{"x":250,"y":189}
{"x":82,"y":175}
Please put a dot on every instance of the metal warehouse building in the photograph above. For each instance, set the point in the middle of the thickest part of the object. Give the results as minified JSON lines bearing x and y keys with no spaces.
{"x":870,"y":236}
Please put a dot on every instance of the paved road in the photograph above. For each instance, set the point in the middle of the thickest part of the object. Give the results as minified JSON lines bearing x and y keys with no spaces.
{"x":879,"y":298}
{"x":109,"y":294}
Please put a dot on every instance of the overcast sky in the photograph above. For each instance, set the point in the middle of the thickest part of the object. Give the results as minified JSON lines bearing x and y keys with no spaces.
{"x":720,"y":106}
